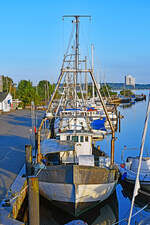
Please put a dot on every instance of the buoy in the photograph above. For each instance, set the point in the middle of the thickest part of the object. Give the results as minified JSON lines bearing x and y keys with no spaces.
{"x":122,"y":165}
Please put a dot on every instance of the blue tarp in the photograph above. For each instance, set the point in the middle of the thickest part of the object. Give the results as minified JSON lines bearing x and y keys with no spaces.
{"x":98,"y":124}
{"x":88,"y":108}
{"x":72,"y":109}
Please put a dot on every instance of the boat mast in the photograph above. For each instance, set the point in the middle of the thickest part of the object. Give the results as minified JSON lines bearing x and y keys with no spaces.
{"x":76,"y":50}
{"x":77,"y":70}
{"x":86,"y":82}
{"x":93,"y":90}
{"x":76,"y":56}
{"x":107,"y":116}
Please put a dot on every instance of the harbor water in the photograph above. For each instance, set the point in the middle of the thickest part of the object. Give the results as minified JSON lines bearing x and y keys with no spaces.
{"x":128,"y":143}
{"x":116,"y":209}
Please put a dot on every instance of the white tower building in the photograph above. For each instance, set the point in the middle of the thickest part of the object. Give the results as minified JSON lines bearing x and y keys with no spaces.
{"x":129,"y":80}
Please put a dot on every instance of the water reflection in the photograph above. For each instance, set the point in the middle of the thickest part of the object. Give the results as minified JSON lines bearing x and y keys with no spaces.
{"x":104,"y":213}
{"x":141,"y":200}
{"x":126,"y":105}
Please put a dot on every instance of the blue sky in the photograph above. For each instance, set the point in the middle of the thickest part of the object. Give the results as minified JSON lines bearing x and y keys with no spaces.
{"x":33,"y":37}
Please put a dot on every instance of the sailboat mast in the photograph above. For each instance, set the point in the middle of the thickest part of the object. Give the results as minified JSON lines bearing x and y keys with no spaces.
{"x":93,"y":89}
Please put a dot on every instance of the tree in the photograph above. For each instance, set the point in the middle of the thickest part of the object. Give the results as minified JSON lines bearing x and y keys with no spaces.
{"x":106,"y":91}
{"x":7,"y":84}
{"x":26,"y":92}
{"x":45,"y":89}
{"x":126,"y":92}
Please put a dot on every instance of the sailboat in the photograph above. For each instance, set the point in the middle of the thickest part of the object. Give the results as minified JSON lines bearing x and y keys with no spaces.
{"x":73,"y":173}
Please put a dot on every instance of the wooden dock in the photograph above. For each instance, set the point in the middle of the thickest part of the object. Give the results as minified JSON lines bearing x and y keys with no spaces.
{"x":14,"y":134}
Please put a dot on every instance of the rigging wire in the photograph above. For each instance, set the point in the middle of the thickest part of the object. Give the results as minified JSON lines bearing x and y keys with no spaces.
{"x":86,"y":37}
{"x":126,"y":219}
{"x":70,"y":39}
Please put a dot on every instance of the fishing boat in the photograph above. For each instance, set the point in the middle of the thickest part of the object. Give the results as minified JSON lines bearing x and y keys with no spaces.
{"x":73,"y":173}
{"x":77,"y":119}
{"x":140,"y":97}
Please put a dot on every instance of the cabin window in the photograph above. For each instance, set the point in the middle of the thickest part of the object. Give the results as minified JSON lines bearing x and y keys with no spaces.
{"x":86,"y":139}
{"x":68,"y":138}
{"x":75,"y":138}
{"x":81,"y":139}
{"x":58,"y":137}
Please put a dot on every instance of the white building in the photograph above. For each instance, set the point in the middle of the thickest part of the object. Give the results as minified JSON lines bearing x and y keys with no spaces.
{"x":5,"y":101}
{"x":129,"y":80}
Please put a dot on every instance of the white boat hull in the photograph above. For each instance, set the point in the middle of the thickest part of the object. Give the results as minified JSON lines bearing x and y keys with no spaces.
{"x":76,"y":193}
{"x":130,"y":177}
{"x":77,"y":188}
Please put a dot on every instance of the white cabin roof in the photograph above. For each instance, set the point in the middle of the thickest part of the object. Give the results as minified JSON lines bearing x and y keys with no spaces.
{"x":54,"y":146}
{"x":78,"y":132}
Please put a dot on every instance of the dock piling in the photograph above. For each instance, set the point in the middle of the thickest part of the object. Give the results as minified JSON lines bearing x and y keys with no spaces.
{"x":28,"y":152}
{"x":33,"y":201}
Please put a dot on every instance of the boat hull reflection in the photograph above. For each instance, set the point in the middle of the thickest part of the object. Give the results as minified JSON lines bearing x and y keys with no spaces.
{"x":141,"y":200}
{"x":105,"y":213}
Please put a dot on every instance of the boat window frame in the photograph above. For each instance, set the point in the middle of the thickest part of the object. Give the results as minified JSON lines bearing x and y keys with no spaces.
{"x":75,"y":138}
{"x":68,"y":137}
{"x":58,"y":137}
{"x":81,"y":139}
{"x":86,"y":139}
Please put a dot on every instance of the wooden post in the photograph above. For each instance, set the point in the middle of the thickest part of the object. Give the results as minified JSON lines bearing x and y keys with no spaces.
{"x":116,"y":127}
{"x":36,"y":141}
{"x":28,"y":151}
{"x":119,"y":122}
{"x":112,"y":147}
{"x":39,"y":147}
{"x":39,"y":156}
{"x":33,"y":201}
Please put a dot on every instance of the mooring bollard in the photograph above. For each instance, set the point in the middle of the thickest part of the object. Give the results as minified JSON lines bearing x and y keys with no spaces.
{"x":28,"y":150}
{"x":33,"y":201}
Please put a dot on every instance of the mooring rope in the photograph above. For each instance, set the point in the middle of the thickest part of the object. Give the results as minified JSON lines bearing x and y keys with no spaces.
{"x":126,"y":219}
{"x":12,"y":199}
{"x":17,"y":195}
{"x":38,"y":172}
